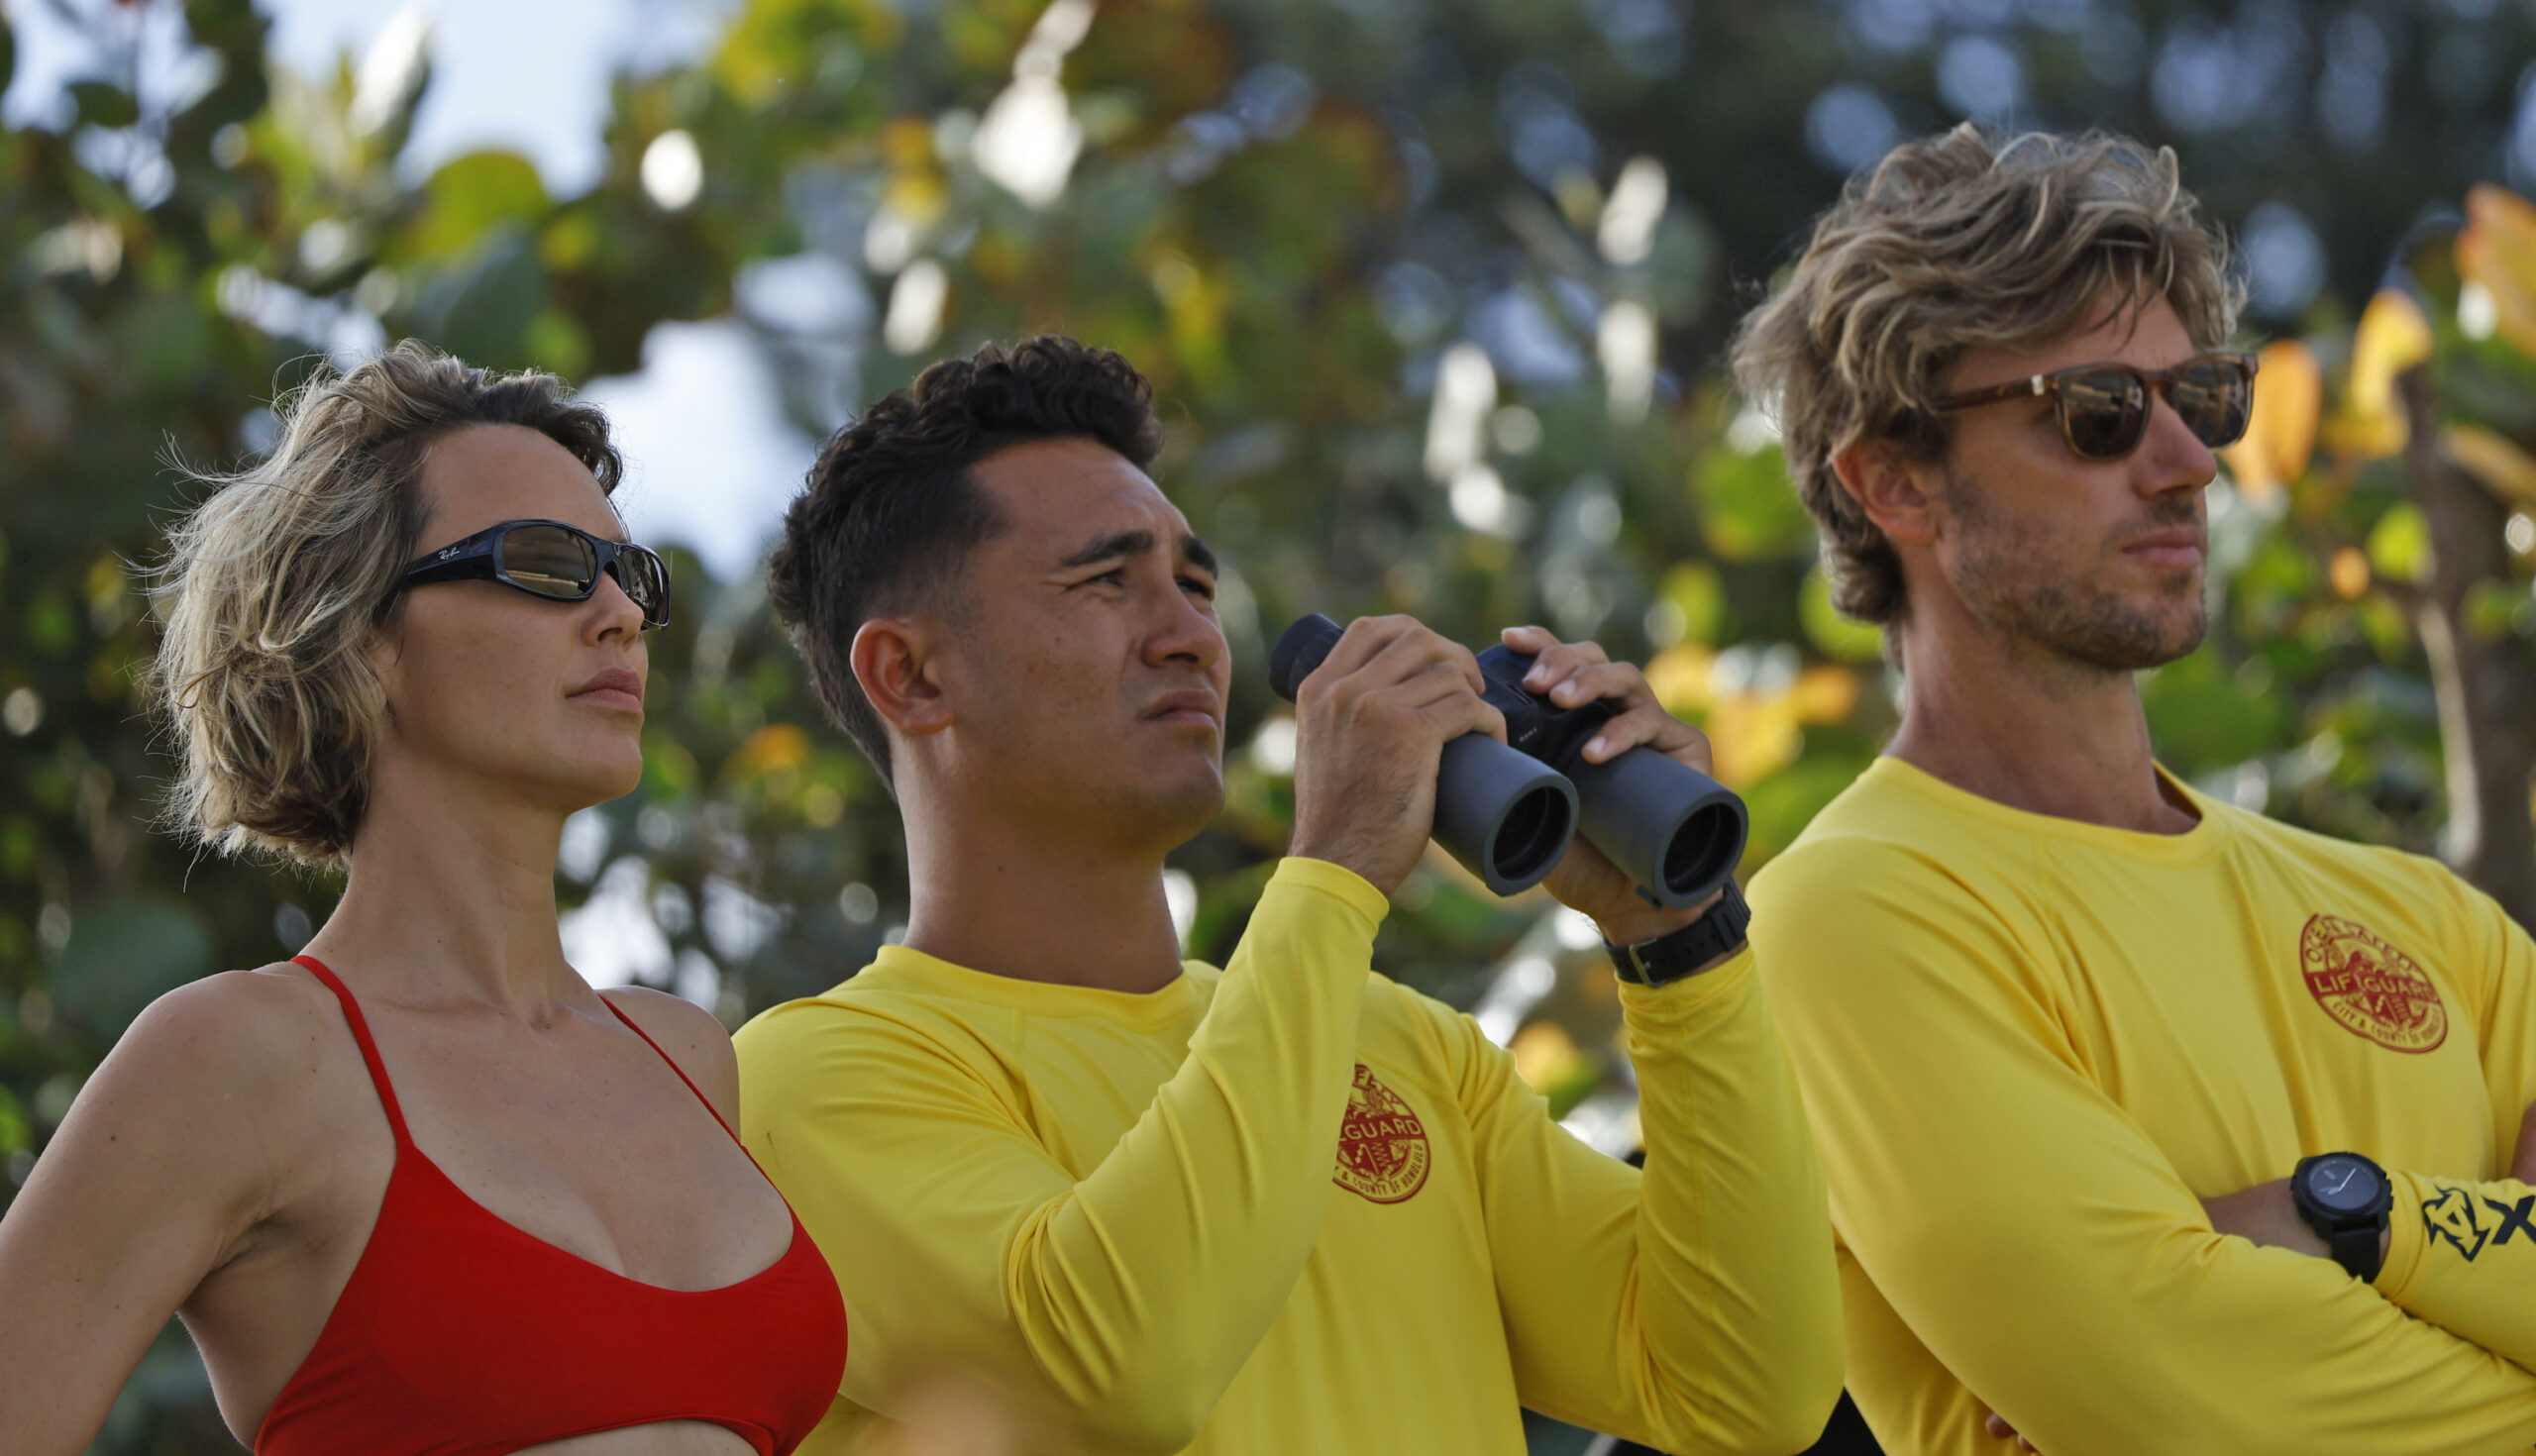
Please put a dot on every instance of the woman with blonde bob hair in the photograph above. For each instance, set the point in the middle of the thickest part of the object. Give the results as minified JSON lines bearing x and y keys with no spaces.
{"x":420,"y":1189}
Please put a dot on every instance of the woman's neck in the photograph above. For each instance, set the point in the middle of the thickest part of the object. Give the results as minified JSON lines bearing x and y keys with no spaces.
{"x":450,"y":898}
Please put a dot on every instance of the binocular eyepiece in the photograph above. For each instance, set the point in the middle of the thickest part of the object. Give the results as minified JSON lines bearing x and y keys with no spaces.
{"x":1507,"y":810}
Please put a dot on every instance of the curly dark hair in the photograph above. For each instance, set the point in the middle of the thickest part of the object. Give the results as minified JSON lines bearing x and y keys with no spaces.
{"x":891,"y":512}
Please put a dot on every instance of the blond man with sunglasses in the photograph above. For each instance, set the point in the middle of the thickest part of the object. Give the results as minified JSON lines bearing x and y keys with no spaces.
{"x":2152,"y":1125}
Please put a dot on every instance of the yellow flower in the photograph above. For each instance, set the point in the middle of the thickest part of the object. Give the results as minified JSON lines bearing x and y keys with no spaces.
{"x":2492,"y":458}
{"x":2393,"y":337}
{"x":2289,"y":392}
{"x":2497,"y":251}
{"x":772,"y":749}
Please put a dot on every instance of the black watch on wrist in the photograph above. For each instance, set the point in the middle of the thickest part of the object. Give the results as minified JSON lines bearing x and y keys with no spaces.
{"x":1669,"y":958}
{"x":2345,"y":1200}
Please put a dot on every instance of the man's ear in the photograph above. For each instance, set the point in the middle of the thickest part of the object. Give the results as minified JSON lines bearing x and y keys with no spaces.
{"x":1894,"y":491}
{"x":892,"y":659}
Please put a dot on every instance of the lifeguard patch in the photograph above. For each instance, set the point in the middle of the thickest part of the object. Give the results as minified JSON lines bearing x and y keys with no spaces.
{"x":2370,"y":988}
{"x":1382,"y":1146}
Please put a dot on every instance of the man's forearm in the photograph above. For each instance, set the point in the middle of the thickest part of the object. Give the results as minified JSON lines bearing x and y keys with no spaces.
{"x":1739,"y":1293}
{"x":2463,"y":1256}
{"x":1111,"y":1307}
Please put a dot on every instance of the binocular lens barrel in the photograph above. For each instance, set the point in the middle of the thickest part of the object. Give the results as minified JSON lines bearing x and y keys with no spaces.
{"x":1677,"y":832}
{"x":1505,"y":816}
{"x":1508,"y":816}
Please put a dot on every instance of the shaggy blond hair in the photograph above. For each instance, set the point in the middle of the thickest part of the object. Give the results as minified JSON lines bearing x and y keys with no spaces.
{"x":272,"y":586}
{"x":1950,"y":244}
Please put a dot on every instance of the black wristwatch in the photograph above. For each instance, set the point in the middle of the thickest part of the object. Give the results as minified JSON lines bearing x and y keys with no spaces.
{"x":1670,"y":956}
{"x":2345,"y":1200}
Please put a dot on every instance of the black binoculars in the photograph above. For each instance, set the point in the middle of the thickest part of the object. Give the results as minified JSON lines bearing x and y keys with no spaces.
{"x":1507,"y":811}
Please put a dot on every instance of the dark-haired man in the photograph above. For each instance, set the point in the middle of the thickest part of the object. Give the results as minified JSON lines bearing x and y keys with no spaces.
{"x":2073,"y":1027}
{"x":1146,"y":1206}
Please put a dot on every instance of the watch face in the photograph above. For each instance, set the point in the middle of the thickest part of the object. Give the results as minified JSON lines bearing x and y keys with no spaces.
{"x":2343,"y":1185}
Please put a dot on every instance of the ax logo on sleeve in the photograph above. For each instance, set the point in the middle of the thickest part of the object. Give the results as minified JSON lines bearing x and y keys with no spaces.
{"x":2450,"y":1214}
{"x":2471,"y":1225}
{"x":2514,"y":1219}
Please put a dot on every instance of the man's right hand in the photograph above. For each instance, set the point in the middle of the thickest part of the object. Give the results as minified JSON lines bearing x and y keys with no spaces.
{"x":1999,"y":1430}
{"x":1371,"y":722}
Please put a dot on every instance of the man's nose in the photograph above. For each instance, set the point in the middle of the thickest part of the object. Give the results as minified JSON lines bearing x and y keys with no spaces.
{"x":1184,"y":631}
{"x":2171,"y":457}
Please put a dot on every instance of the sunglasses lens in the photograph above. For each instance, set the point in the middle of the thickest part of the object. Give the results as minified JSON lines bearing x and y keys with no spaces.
{"x":2215,"y":398}
{"x":2102,"y":411}
{"x":550,"y":561}
{"x":646,"y":578}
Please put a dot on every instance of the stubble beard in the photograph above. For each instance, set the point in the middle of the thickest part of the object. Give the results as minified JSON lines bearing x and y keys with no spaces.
{"x":1147,"y":805}
{"x":2075,"y":621}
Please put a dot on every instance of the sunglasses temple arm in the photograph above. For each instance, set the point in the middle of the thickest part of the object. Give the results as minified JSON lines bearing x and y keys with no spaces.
{"x":454,"y":568}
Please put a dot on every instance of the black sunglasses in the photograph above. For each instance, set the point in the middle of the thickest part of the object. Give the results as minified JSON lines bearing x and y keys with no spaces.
{"x":2104,"y":408}
{"x":550,"y":560}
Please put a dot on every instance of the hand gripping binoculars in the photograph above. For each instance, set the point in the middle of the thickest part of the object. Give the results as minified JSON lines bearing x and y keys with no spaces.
{"x":1507,"y":811}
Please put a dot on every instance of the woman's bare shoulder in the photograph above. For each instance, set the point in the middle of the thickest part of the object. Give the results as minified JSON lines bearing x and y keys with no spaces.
{"x":220,"y":1096}
{"x":258,"y":1040}
{"x":248,"y":1014}
{"x":691,"y":1035}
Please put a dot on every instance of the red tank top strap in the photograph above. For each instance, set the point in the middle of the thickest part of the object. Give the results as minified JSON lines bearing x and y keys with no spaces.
{"x":369,"y":1048}
{"x":674,"y":1066}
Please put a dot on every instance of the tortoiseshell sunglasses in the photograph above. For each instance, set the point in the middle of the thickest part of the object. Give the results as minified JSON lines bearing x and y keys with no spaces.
{"x":2104,"y":408}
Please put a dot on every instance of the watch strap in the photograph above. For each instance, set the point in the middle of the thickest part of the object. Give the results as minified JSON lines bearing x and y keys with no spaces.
{"x":1670,"y":956}
{"x":2355,"y":1249}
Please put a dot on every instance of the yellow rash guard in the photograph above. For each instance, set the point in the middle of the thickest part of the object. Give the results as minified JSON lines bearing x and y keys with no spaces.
{"x":2031,"y":1046}
{"x":1291,"y":1207}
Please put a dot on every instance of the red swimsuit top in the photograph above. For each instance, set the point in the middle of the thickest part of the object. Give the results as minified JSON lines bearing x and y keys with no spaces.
{"x":459,"y":1334}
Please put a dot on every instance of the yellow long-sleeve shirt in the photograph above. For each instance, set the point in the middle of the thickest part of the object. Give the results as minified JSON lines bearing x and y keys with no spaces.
{"x":2030,"y":1046}
{"x":1290,"y":1206}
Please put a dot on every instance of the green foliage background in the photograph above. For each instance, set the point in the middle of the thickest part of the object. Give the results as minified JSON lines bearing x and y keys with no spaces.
{"x":1286,"y":211}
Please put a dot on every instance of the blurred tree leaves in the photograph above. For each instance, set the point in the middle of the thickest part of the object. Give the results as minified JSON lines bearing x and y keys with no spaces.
{"x":121,"y":953}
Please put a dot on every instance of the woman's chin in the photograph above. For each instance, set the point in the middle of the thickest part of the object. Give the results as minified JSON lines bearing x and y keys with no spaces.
{"x":596,"y":779}
{"x":619,"y":783}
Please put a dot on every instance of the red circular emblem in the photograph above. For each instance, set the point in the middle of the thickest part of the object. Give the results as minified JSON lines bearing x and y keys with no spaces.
{"x":1382,"y":1146}
{"x":2369,"y":988}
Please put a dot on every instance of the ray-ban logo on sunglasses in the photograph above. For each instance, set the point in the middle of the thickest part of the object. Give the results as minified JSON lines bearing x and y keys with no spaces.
{"x":447,"y":552}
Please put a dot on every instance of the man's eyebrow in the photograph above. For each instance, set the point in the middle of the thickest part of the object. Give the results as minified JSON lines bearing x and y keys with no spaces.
{"x":1116,"y":544}
{"x":1135,"y":543}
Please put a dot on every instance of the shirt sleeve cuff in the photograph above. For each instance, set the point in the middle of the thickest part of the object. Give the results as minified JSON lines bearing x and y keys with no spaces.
{"x":1685,"y":1001}
{"x":2407,"y":1245}
{"x":1336,"y":881}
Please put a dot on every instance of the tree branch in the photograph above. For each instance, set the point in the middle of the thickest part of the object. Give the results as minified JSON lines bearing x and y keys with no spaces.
{"x":2486,"y":686}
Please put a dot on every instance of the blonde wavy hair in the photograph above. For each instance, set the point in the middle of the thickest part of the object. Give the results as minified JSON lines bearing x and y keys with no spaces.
{"x":272,"y":586}
{"x":1954,"y":243}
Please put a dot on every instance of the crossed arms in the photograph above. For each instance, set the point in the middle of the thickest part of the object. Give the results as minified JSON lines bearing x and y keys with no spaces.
{"x":2047,"y":1252}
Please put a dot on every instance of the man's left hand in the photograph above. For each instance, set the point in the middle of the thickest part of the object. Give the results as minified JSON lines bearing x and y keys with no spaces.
{"x":1569,"y":675}
{"x":2522,"y":1163}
